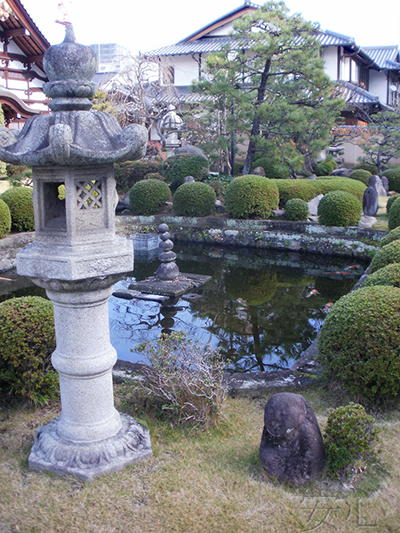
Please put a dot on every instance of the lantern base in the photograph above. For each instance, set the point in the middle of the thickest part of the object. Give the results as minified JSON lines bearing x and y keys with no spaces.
{"x":87,"y":460}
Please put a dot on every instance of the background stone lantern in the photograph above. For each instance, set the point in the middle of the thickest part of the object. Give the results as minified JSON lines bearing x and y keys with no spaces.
{"x":77,"y":257}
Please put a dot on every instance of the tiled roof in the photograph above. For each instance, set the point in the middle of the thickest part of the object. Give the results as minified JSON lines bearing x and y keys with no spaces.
{"x":330,"y":38}
{"x":385,"y":57}
{"x":200,"y":46}
{"x":215,"y":44}
{"x":356,"y":95}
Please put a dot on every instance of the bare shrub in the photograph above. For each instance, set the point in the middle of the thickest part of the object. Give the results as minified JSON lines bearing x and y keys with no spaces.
{"x":185,"y":380}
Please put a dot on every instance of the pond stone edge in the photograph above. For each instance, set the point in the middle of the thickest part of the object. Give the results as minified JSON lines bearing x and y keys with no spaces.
{"x":307,"y":237}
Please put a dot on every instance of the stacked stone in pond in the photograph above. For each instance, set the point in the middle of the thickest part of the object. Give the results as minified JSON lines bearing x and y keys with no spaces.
{"x":291,"y":447}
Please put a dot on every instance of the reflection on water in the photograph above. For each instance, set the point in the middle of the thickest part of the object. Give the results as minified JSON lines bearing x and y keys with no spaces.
{"x":262,"y":308}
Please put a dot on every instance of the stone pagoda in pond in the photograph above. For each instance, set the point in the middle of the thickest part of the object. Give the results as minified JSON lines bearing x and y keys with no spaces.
{"x":77,"y":257}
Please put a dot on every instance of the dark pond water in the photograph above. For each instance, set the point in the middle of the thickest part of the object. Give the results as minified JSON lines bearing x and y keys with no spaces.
{"x":262,"y":309}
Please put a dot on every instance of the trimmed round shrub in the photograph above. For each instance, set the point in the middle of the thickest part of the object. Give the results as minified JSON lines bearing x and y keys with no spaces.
{"x":147,"y":197}
{"x":393,"y":176}
{"x":296,"y":209}
{"x":5,"y":219}
{"x":194,"y":200}
{"x":333,"y":183}
{"x":394,"y":215}
{"x":27,"y":339}
{"x":178,"y":167}
{"x":373,"y":169}
{"x":390,"y":253}
{"x":390,"y":201}
{"x":388,"y":275}
{"x":350,"y":436}
{"x":238,"y":168}
{"x":251,"y":197}
{"x":128,"y":173}
{"x":272,"y":168}
{"x":19,"y":200}
{"x":393,"y":235}
{"x":218,"y":188}
{"x":361,"y":175}
{"x":339,"y":208}
{"x":324,"y":168}
{"x":154,"y":176}
{"x":359,"y":342}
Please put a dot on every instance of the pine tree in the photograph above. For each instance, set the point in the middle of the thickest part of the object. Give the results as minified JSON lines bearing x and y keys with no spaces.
{"x":270,"y":85}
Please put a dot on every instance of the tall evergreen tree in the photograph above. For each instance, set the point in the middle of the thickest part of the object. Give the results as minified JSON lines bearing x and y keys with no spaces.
{"x":384,"y":138}
{"x":270,"y":85}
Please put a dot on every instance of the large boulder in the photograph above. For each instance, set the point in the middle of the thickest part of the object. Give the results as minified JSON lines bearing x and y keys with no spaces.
{"x":376,"y":182}
{"x":258,"y":171}
{"x":343,"y":172}
{"x":385,"y":183}
{"x":313,"y":205}
{"x":291,"y":447}
{"x":370,"y":202}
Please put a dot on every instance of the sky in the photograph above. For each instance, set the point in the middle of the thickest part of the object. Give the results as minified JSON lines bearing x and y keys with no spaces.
{"x":142,"y":26}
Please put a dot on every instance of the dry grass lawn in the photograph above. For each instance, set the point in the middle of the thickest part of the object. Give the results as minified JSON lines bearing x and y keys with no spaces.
{"x":196,"y":482}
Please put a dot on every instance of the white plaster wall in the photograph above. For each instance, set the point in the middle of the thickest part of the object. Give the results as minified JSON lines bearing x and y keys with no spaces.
{"x":226,"y":29}
{"x":351,"y":154}
{"x":329,"y":55}
{"x":186,"y":69}
{"x":378,"y":84}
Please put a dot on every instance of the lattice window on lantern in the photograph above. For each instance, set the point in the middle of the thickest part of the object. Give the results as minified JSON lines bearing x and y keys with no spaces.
{"x":89,"y":194}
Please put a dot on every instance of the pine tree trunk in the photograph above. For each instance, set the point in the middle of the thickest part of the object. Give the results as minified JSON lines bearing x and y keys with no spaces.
{"x":255,"y":128}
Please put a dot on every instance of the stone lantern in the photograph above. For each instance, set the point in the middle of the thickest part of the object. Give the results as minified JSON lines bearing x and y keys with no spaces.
{"x":77,"y":257}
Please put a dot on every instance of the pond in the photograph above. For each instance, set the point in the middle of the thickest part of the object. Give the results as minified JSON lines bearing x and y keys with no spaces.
{"x":262,"y":309}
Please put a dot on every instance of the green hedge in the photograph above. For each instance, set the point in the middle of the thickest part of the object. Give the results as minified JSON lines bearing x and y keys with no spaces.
{"x":393,"y":235}
{"x":147,"y":197}
{"x":194,"y":199}
{"x":272,"y":168}
{"x":388,"y":275}
{"x":390,"y":201}
{"x":251,"y":197}
{"x":307,"y":189}
{"x":393,"y":176}
{"x":359,"y":342}
{"x":361,"y":175}
{"x":128,"y":173}
{"x":288,"y":189}
{"x":5,"y":219}
{"x":324,"y":168}
{"x":19,"y":200}
{"x":390,"y":253}
{"x":394,"y":215}
{"x":373,"y":169}
{"x":329,"y":184}
{"x":339,"y":208}
{"x":27,"y":340}
{"x":176,"y":168}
